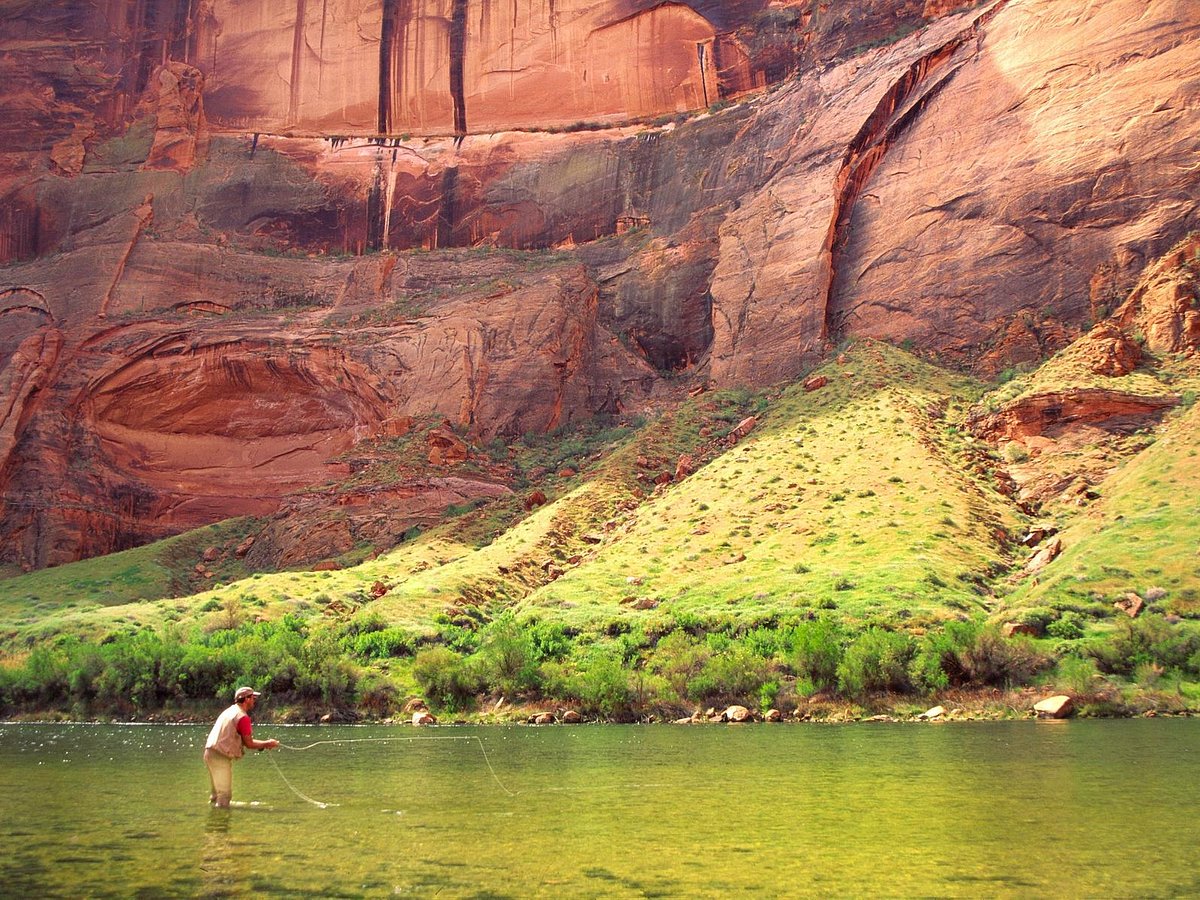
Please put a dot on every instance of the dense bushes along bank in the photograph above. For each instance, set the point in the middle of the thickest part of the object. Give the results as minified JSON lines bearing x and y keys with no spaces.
{"x":367,"y":666}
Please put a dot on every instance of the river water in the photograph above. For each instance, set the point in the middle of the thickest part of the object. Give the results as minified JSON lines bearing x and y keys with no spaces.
{"x":1017,"y":809}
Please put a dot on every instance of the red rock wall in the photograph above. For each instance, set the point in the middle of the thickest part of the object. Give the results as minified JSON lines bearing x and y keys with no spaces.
{"x":411,"y":66}
{"x":181,"y":338}
{"x":449,"y":66}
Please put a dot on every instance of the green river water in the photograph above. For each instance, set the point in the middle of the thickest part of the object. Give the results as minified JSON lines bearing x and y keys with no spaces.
{"x":1016,"y":809}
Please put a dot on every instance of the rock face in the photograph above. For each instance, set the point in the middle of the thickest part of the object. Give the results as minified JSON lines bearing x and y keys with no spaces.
{"x":1163,"y":305}
{"x":437,"y":66}
{"x":115,"y":434}
{"x":386,"y":66}
{"x":195,"y":323}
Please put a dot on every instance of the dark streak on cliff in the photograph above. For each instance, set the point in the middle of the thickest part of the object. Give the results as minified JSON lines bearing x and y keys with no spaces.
{"x":375,"y":211}
{"x":297,"y":55}
{"x":387,"y":56}
{"x":458,"y":41}
{"x":448,"y":212}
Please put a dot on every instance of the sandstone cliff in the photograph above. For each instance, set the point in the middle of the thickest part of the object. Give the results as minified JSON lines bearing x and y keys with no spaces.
{"x":227,"y":260}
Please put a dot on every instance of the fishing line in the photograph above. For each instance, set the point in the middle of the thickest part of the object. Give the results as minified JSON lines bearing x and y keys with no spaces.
{"x":305,"y":797}
{"x":387,"y":740}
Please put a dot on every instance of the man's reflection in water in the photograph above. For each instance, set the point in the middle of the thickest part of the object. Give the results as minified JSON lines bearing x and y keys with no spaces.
{"x":225,"y":864}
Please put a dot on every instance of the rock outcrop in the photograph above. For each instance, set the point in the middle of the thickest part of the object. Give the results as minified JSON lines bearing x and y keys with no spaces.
{"x":1056,"y":412}
{"x":119,"y":432}
{"x":1165,"y":306}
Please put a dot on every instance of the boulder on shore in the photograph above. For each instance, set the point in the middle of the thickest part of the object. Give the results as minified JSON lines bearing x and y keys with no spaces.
{"x":422,"y":717}
{"x":737,"y":714}
{"x":1058,"y":707}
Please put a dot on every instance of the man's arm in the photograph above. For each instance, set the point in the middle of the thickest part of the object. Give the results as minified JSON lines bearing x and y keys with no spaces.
{"x":249,"y":742}
{"x":252,"y":744}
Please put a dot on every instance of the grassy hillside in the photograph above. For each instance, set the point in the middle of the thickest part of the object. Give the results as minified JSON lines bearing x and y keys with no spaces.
{"x":843,"y":544}
{"x":1142,"y":535}
{"x":856,"y":497}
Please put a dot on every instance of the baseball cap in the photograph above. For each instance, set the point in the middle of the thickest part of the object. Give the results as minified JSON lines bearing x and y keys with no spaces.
{"x":243,"y":692}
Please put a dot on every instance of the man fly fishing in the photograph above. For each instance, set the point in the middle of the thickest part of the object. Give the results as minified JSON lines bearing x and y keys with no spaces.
{"x":227,"y":741}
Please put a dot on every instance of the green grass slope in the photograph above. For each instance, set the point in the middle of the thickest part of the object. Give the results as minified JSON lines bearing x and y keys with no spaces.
{"x":856,"y":496}
{"x":1142,"y":535}
{"x":113,"y":582}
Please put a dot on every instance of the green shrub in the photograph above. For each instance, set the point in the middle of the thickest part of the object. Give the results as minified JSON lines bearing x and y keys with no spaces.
{"x":938,"y":663}
{"x":146,"y":670}
{"x":507,"y":660}
{"x":458,"y":637}
{"x":445,"y":678}
{"x":732,"y":674}
{"x":377,"y":694}
{"x":678,"y":658}
{"x":815,"y":651}
{"x":768,"y":695}
{"x":1148,"y":639}
{"x":549,"y":640}
{"x":323,"y":673}
{"x":876,"y":660}
{"x":598,"y":681}
{"x":388,"y":643}
{"x":766,"y":642}
{"x":1068,"y":628}
{"x":1077,"y":675}
{"x":993,"y":659}
{"x":364,"y":623}
{"x":1039,"y":618}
